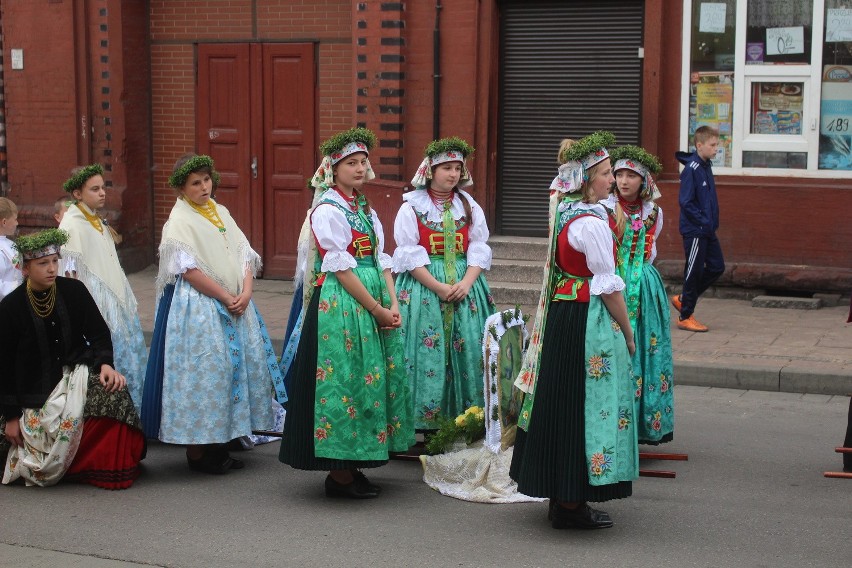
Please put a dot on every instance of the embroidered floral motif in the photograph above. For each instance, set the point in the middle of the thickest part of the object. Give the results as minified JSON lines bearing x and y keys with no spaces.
{"x":601,"y":463}
{"x":652,"y":344}
{"x":598,"y":366}
{"x":431,"y":338}
{"x":623,"y":418}
{"x":430,"y":411}
{"x":404,"y":297}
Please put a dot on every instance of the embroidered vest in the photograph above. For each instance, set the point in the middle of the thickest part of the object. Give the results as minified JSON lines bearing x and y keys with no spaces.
{"x":572,"y":270}
{"x":432,"y":235}
{"x":360,"y":247}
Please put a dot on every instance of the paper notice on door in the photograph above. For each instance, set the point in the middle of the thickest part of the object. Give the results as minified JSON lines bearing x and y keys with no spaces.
{"x":712,"y":20}
{"x":838,"y":24}
{"x":784,"y":41}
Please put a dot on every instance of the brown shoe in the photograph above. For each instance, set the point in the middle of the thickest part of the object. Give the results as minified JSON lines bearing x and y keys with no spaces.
{"x":691,"y":324}
{"x":676,"y":301}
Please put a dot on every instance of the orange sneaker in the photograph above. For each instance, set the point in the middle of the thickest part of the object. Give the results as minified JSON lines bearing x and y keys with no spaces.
{"x":676,"y":301}
{"x":691,"y":324}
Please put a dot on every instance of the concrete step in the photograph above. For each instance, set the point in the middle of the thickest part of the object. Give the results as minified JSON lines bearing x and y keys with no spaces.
{"x":519,"y":248}
{"x":507,"y":294}
{"x":521,"y":271}
{"x":786,"y":302}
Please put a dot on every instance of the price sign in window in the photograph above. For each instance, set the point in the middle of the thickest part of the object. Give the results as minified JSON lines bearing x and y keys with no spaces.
{"x":835,"y":136}
{"x":777,"y":108}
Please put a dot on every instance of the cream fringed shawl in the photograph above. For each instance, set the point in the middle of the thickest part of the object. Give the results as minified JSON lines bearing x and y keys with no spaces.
{"x":224,"y":257}
{"x":95,"y":260}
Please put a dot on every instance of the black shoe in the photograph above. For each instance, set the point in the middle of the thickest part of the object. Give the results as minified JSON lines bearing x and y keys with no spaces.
{"x":219,"y":453}
{"x":350,"y":490}
{"x":208,"y":464}
{"x":583,"y":517}
{"x":365,"y":483}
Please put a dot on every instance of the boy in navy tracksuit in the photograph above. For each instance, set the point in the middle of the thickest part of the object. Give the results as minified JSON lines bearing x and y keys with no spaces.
{"x":699,"y":219}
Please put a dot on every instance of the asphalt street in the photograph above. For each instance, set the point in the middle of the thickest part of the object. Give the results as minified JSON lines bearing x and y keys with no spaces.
{"x":752,"y":494}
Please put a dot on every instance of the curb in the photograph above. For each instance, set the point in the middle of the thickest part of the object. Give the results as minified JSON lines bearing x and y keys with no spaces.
{"x":773,"y":379}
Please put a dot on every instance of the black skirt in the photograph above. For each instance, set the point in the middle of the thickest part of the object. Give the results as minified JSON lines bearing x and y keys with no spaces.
{"x":550,"y":457}
{"x":297,"y":444}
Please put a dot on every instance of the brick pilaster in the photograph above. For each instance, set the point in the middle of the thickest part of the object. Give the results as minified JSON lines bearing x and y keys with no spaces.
{"x":380,"y":45}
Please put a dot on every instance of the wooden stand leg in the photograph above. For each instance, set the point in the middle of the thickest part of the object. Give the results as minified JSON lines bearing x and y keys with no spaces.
{"x":661,"y":456}
{"x":838,"y":474}
{"x":657,"y":473}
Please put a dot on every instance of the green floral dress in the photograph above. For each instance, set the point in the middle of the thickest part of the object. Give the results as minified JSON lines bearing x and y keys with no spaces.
{"x":443,"y":341}
{"x":361,"y":401}
{"x":648,"y":309}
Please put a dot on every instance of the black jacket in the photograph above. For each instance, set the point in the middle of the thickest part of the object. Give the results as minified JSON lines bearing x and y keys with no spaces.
{"x":34,"y":350}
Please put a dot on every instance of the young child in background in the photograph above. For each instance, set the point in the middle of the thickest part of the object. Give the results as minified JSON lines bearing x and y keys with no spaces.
{"x":699,"y":219}
{"x":10,"y":261}
{"x":60,"y":208}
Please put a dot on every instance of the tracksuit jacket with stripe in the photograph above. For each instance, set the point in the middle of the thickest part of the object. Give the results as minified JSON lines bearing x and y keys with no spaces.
{"x":699,"y":207}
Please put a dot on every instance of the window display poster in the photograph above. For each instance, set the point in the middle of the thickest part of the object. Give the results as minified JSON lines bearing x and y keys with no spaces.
{"x":712,"y":20}
{"x":712,"y":106}
{"x":838,"y":24}
{"x":777,"y":108}
{"x":835,"y":124}
{"x":784,"y":41}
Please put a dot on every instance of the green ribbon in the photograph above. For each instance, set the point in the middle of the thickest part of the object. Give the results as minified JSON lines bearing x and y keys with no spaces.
{"x":449,"y":308}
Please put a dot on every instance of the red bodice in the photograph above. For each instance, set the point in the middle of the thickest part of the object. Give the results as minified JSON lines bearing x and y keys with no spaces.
{"x":433,"y":241}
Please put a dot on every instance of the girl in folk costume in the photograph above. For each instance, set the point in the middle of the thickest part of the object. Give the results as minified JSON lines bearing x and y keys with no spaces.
{"x":349,"y":398}
{"x":64,"y":409}
{"x":444,"y":299}
{"x":576,"y":440}
{"x":10,"y":260}
{"x":639,"y":222}
{"x":90,"y":256}
{"x":212,"y":367}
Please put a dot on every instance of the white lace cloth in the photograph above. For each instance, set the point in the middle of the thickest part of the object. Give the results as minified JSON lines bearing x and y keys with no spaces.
{"x":183,"y":261}
{"x":334,"y":235}
{"x":474,"y":474}
{"x":593,"y":238}
{"x":410,"y":255}
{"x":10,"y":275}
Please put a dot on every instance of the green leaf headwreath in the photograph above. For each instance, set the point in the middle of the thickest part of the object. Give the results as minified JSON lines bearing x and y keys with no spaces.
{"x":77,"y":180}
{"x":637,"y":154}
{"x":452,"y":143}
{"x":192,"y":165}
{"x":588,"y":145}
{"x":40,"y":240}
{"x":341,"y":139}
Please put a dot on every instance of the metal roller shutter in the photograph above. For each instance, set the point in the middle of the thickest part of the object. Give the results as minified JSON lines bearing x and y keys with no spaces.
{"x":567,"y":69}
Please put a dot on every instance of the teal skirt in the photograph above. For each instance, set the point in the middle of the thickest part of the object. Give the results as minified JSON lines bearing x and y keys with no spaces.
{"x":444,"y":382}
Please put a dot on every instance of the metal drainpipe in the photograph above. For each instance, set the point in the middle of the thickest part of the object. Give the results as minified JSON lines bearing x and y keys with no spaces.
{"x":436,"y":76}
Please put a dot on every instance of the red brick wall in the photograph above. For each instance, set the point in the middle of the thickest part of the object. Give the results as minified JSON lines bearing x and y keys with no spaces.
{"x":175,"y":26}
{"x":82,"y":97}
{"x":41,"y":125}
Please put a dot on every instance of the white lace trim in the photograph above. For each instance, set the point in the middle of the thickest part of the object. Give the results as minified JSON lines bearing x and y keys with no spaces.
{"x":409,"y":257}
{"x":337,"y":260}
{"x":385,"y":261}
{"x":606,"y":284}
{"x":479,"y":254}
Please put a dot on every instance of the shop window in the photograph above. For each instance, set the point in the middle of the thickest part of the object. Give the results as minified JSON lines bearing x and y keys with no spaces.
{"x":775,"y":78}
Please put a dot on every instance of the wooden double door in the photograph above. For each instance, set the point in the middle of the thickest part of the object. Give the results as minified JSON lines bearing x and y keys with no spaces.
{"x":256,"y":117}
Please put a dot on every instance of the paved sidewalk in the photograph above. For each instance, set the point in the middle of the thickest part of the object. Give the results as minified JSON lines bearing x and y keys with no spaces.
{"x":773,"y":349}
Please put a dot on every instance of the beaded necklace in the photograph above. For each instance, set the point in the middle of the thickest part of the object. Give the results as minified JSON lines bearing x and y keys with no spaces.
{"x":440,"y":200}
{"x":94,"y":220}
{"x":43,"y":307}
{"x":208,"y":211}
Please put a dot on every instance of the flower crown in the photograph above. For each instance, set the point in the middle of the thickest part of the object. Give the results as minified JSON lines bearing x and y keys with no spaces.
{"x":446,"y":145}
{"x":77,"y":180}
{"x":639,"y":156}
{"x":342,"y":139}
{"x":41,"y":244}
{"x":588,"y":146}
{"x":192,"y":165}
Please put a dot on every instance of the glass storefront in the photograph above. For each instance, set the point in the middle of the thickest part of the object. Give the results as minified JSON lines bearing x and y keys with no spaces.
{"x":775,"y":78}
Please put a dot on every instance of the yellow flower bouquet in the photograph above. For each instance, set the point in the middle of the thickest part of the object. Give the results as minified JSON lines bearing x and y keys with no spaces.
{"x":467,"y":428}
